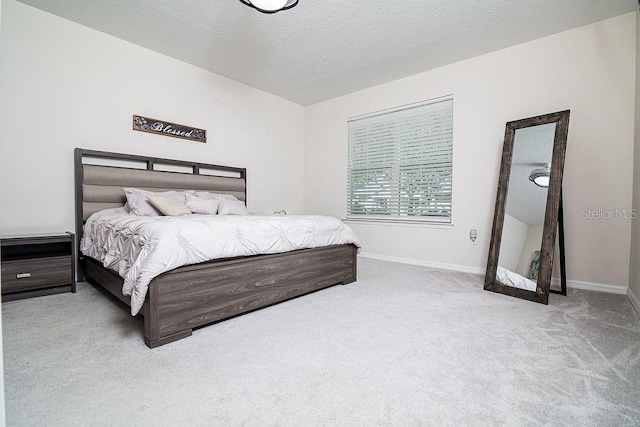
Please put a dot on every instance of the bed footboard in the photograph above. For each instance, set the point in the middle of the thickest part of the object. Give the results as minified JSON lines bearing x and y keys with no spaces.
{"x":197,"y":295}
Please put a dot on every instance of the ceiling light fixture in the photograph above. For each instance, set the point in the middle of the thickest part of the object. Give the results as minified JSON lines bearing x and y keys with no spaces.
{"x":270,"y":6}
{"x":540,"y":177}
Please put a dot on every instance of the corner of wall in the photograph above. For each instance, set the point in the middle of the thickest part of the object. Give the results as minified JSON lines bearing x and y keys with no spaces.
{"x":634,"y":256}
{"x":2,"y":415}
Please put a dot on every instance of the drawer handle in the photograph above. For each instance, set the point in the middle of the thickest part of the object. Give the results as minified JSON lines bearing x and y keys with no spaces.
{"x":23,"y":275}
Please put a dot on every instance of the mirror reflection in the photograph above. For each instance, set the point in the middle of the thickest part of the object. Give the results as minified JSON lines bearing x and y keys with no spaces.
{"x":519,"y":255}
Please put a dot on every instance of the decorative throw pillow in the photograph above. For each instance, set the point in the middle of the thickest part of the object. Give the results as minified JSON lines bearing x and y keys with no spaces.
{"x":169,"y":206}
{"x":232,"y":207}
{"x":200,"y":205}
{"x":138,"y":204}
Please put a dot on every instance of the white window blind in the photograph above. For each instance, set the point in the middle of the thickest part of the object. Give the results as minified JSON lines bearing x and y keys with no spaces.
{"x":400,"y":164}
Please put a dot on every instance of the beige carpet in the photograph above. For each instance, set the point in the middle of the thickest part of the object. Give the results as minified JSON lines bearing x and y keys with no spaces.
{"x":404,"y":345}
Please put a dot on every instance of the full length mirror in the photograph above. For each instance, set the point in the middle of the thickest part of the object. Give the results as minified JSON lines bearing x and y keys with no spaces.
{"x":527,"y":206}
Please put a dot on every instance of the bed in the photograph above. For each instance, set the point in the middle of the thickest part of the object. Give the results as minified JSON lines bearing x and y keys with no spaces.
{"x":193,"y":296}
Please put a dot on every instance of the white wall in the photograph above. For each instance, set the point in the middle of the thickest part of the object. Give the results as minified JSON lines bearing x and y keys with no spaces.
{"x":63,"y":86}
{"x":634,"y":269}
{"x":514,"y":235}
{"x":589,"y":70}
{"x":532,"y":243}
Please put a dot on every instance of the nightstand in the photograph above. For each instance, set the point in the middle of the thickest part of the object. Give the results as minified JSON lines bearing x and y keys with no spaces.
{"x":36,"y":265}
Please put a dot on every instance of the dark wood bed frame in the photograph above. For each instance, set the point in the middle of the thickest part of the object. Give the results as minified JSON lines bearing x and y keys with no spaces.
{"x":196,"y":295}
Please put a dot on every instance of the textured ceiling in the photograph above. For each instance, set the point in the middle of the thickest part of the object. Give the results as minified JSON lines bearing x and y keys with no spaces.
{"x":323,"y":49}
{"x":532,"y":148}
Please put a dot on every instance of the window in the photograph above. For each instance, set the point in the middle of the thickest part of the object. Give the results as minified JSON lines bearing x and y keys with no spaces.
{"x":400,"y":163}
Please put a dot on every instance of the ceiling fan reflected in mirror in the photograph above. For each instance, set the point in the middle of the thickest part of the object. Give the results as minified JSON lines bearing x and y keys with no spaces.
{"x":270,"y":6}
{"x":540,"y":176}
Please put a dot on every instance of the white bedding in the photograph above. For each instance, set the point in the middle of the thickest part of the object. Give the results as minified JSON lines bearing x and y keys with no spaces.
{"x":140,"y":248}
{"x":510,"y":278}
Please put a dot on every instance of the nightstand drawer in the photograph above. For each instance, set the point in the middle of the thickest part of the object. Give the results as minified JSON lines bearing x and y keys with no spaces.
{"x":26,"y":274}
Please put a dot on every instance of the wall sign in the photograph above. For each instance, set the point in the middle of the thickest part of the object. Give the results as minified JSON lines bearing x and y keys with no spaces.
{"x":146,"y":124}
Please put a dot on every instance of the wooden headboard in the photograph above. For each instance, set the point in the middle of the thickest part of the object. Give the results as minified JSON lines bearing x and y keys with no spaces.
{"x":100,"y":176}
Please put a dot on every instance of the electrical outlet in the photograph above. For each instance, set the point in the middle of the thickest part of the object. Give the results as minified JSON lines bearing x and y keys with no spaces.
{"x":473,"y":236}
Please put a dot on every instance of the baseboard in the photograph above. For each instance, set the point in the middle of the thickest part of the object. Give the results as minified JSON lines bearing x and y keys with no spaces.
{"x":635,"y":302}
{"x":576,"y":284}
{"x":421,"y":263}
{"x":589,"y":286}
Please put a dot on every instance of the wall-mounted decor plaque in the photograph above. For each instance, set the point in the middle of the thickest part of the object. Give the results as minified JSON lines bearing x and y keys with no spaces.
{"x":161,"y":127}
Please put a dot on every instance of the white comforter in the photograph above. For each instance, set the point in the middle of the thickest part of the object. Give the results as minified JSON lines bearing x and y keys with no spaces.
{"x":511,"y":278}
{"x":140,"y":248}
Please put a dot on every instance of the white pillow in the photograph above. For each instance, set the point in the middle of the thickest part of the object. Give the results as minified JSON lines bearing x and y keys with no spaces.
{"x":232,"y":207}
{"x":169,"y":206}
{"x":210,"y":196}
{"x":203,"y":206}
{"x":138,"y":204}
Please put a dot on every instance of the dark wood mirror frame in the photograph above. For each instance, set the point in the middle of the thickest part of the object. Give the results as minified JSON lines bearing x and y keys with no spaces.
{"x":541,"y":295}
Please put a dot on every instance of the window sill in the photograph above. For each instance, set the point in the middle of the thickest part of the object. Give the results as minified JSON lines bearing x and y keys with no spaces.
{"x":399,"y":223}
